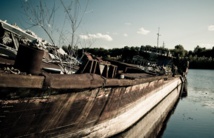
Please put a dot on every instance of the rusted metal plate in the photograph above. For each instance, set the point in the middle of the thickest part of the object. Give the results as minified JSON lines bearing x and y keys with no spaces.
{"x":119,"y":82}
{"x":75,"y":81}
{"x":21,"y":81}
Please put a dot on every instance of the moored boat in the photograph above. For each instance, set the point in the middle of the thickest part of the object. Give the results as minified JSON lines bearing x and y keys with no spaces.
{"x":88,"y":104}
{"x":101,"y":99}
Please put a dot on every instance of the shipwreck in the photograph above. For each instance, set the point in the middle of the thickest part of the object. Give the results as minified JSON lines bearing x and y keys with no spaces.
{"x":101,"y":99}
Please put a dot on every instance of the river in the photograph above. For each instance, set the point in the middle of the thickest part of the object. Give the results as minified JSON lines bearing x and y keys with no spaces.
{"x":194,"y":114}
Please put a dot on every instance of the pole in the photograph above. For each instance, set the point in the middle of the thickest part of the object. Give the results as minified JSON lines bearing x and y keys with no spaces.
{"x":158,"y":34}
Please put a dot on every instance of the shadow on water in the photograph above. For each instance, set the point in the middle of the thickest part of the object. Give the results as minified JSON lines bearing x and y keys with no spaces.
{"x":183,"y":94}
{"x":136,"y":129}
{"x":184,"y":91}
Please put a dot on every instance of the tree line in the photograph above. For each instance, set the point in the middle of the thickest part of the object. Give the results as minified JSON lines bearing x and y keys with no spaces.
{"x":199,"y":58}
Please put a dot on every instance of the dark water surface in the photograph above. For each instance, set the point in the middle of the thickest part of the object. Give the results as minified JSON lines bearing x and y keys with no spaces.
{"x":194,"y":114}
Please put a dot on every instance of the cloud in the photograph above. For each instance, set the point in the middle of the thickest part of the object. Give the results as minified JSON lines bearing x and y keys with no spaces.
{"x":96,"y":36}
{"x":211,"y":28}
{"x":125,"y":34}
{"x":143,"y":31}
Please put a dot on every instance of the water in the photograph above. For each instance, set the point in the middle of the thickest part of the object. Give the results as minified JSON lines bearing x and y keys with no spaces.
{"x":194,"y":115}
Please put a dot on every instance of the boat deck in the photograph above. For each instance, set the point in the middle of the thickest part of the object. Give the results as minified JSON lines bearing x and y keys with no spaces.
{"x":63,"y":81}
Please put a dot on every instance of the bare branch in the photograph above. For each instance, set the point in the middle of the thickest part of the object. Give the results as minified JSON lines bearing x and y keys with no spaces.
{"x":41,"y":15}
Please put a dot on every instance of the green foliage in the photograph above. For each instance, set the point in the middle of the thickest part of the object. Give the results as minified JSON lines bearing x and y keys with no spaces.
{"x":179,"y":51}
{"x":201,"y":58}
{"x":129,"y":52}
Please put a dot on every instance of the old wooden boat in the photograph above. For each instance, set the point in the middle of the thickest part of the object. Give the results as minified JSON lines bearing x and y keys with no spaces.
{"x":94,"y":102}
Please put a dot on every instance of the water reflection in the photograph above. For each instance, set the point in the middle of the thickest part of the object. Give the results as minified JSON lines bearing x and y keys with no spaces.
{"x":194,"y":115}
{"x":183,"y":94}
{"x":184,"y":91}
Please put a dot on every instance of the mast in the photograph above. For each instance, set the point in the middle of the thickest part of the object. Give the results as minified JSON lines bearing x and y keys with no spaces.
{"x":158,"y":34}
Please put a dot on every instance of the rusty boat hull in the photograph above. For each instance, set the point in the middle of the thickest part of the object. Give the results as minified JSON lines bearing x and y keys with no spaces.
{"x":86,"y":105}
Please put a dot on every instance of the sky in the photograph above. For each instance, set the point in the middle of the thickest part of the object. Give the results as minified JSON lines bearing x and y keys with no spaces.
{"x":118,"y":23}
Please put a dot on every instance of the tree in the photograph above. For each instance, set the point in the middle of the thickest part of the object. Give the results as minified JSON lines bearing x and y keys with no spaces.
{"x":43,"y":15}
{"x":74,"y":16}
{"x":179,"y":51}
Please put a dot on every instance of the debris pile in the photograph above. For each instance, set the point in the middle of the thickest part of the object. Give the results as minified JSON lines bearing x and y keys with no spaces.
{"x":12,"y":36}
